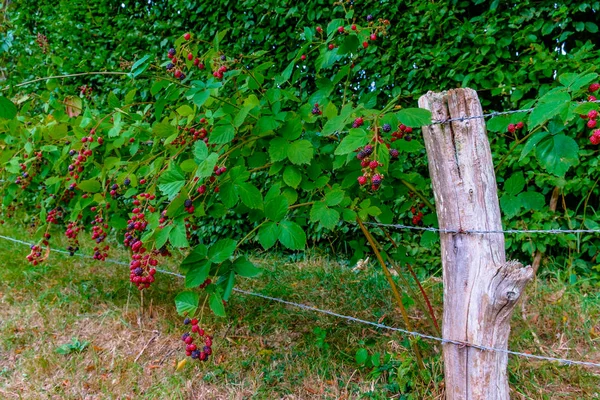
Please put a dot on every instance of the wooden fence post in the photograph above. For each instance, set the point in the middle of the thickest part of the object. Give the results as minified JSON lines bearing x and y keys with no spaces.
{"x":481,"y":288}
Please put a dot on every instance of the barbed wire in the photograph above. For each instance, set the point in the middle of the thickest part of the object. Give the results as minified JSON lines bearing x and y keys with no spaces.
{"x":492,"y":114}
{"x":562,"y":361}
{"x":477,"y":231}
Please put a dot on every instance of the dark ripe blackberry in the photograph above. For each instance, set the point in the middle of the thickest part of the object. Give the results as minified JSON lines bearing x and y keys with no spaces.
{"x":223,"y":58}
{"x":187,"y":321}
{"x":170,"y":66}
{"x":138,"y":271}
{"x":408,"y":138}
{"x":172,"y":51}
{"x":182,"y":76}
{"x":72,"y":152}
{"x":185,"y":336}
{"x":188,"y":203}
{"x":71,"y":167}
{"x":114,"y":186}
{"x":369,"y":18}
{"x":368,"y":149}
{"x":207,"y":350}
{"x":394,"y":153}
{"x":196,"y":354}
{"x":25,"y":175}
{"x":127,"y":182}
{"x":376,"y":180}
{"x":386,"y":127}
{"x":361,"y":155}
{"x":315,"y":111}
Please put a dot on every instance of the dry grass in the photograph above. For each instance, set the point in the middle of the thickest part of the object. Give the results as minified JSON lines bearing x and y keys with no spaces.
{"x":262,"y":350}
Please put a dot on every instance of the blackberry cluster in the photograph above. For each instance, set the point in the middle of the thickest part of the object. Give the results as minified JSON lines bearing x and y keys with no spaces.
{"x":192,"y":349}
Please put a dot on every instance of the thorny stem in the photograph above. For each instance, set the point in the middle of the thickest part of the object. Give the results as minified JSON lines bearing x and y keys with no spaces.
{"x":394,"y":288}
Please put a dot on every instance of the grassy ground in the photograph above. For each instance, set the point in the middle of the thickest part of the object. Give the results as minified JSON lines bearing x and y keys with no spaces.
{"x":75,"y":329}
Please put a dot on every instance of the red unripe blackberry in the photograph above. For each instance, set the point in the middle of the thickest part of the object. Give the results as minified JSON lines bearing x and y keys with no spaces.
{"x":303,"y":57}
{"x":362,"y":180}
{"x":373,"y":36}
{"x":341,"y":29}
{"x":353,"y":27}
{"x":373,"y":164}
{"x":591,"y":123}
{"x":331,"y":46}
{"x":365,"y":44}
{"x":187,"y":36}
{"x":595,"y":139}
{"x":593,"y":87}
{"x":190,"y":56}
{"x":512,"y":128}
{"x":319,"y":29}
{"x":519,"y":125}
{"x":593,"y":114}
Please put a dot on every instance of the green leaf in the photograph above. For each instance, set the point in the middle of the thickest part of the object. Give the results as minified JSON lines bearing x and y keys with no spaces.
{"x":187,"y":302}
{"x":8,"y":110}
{"x":515,"y":184}
{"x":197,"y":274}
{"x":221,"y":250}
{"x":327,"y":217}
{"x":245,"y":268}
{"x":171,"y":182}
{"x":276,"y":208}
{"x":200,"y":151}
{"x":197,"y":255}
{"x":557,"y":154}
{"x":292,"y":235}
{"x":414,"y":117}
{"x":216,"y":304}
{"x":361,"y":356}
{"x":222,"y":134}
{"x":292,"y":129}
{"x":206,"y":167}
{"x":90,"y":186}
{"x":268,"y":234}
{"x":200,"y":98}
{"x":278,"y":149}
{"x":334,"y":197}
{"x":163,"y":129}
{"x":532,"y":143}
{"x":355,"y":139}
{"x":162,"y":236}
{"x":532,"y":200}
{"x":300,"y":152}
{"x":140,"y":65}
{"x":510,"y":205}
{"x":249,"y":195}
{"x":292,"y":176}
{"x":185,"y":110}
{"x":229,"y":286}
{"x":548,"y":107}
{"x":349,"y":45}
{"x":178,"y":237}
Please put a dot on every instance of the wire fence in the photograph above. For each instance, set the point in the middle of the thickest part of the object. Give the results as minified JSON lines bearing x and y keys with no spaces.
{"x":306,"y":307}
{"x":477,"y":231}
{"x":492,"y":114}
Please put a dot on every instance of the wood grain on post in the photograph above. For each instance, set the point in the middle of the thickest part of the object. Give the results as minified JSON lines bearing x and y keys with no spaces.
{"x":480,"y":286}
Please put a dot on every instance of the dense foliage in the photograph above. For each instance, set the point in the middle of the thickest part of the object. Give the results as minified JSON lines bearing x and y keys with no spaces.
{"x":262,"y":123}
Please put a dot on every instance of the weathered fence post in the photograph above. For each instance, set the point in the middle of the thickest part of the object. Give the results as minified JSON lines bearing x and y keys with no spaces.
{"x":481,"y":288}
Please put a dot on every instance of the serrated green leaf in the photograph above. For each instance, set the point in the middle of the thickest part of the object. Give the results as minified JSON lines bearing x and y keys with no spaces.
{"x":291,"y":235}
{"x":140,"y":65}
{"x":171,"y":181}
{"x":292,"y":176}
{"x":355,"y":139}
{"x":206,"y":167}
{"x":268,"y":234}
{"x":276,"y":208}
{"x":221,"y":250}
{"x":557,"y":154}
{"x":187,"y":302}
{"x":515,"y":184}
{"x":216,"y":304}
{"x":510,"y":205}
{"x":250,"y":195}
{"x":8,"y":110}
{"x":324,"y":215}
{"x":278,"y":148}
{"x":551,"y":106}
{"x":414,"y":117}
{"x":200,"y":151}
{"x":532,"y":143}
{"x":300,"y":152}
{"x":222,"y":134}
{"x":334,"y":197}
{"x":178,"y":237}
{"x":197,"y":274}
{"x":245,"y":268}
{"x":197,"y":255}
{"x":90,"y":186}
{"x":532,"y":200}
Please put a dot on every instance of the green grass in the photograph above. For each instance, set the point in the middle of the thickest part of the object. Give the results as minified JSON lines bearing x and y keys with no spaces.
{"x":263,"y":349}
